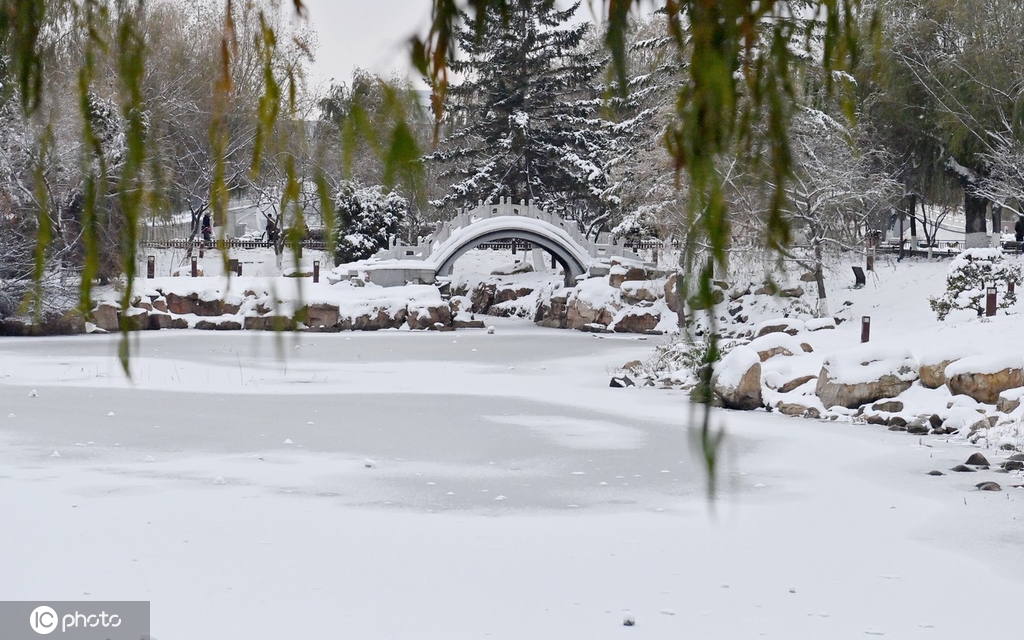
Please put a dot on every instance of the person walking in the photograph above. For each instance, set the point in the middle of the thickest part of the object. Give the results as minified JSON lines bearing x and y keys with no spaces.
{"x":1018,"y":230}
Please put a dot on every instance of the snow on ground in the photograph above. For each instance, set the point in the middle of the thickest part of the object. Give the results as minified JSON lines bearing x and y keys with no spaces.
{"x":512,"y":493}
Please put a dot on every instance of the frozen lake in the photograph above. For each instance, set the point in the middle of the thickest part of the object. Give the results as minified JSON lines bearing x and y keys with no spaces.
{"x":465,"y":485}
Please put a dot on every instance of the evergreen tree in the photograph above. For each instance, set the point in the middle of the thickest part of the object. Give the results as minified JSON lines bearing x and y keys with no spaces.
{"x":367,"y":218}
{"x":526,"y":119}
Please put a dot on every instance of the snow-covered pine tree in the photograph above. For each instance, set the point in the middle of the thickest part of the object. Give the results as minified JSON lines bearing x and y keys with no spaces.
{"x":367,"y":218}
{"x":526,"y":120}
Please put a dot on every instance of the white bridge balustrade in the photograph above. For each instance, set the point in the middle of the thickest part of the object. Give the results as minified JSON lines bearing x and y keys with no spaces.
{"x":487,"y":223}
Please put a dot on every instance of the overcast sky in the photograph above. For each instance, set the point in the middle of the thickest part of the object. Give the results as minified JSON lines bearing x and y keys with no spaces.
{"x":371,"y":34}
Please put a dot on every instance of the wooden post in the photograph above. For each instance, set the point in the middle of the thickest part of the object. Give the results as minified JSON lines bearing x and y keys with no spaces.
{"x":865,"y":328}
{"x":990,"y":302}
{"x":1011,"y":286}
{"x":195,"y":267}
{"x":202,"y":249}
{"x":151,"y":267}
{"x":316,"y":271}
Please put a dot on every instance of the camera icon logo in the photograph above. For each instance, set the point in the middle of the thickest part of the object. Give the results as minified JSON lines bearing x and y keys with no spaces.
{"x":43,"y":620}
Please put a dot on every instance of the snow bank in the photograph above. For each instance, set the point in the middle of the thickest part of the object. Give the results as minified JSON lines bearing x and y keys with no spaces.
{"x":986,"y":364}
{"x":944,"y":352}
{"x":868,"y":363}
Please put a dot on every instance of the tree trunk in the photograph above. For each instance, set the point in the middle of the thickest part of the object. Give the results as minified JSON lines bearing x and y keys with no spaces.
{"x":913,"y":219}
{"x":819,"y":280}
{"x":976,"y":214}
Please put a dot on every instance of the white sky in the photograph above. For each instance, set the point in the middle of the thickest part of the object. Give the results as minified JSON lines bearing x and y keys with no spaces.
{"x":371,"y":34}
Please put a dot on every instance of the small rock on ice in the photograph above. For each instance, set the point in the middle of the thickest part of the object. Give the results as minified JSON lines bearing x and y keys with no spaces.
{"x":149,"y":459}
{"x":288,"y":441}
{"x":33,"y":394}
{"x":490,"y":330}
{"x":111,"y":413}
{"x":11,"y":415}
{"x":369,"y":464}
{"x":55,"y":454}
{"x":628,"y":620}
{"x":500,"y":498}
{"x":219,"y":480}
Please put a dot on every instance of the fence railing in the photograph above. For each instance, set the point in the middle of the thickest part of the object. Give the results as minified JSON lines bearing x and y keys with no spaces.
{"x":231,"y":243}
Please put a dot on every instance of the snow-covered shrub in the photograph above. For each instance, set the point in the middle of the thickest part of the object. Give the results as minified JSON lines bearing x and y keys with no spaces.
{"x":971,"y":273}
{"x":681,"y":359}
{"x":367,"y":218}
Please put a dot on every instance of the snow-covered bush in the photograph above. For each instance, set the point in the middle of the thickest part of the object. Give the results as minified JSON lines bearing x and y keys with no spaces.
{"x":681,"y":359}
{"x":968,"y":278}
{"x":367,"y":218}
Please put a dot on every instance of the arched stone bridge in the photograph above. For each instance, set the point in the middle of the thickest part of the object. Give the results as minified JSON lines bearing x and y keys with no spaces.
{"x":434,"y":257}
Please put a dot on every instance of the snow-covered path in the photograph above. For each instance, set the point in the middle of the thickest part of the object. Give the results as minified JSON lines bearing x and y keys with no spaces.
{"x":465,"y":485}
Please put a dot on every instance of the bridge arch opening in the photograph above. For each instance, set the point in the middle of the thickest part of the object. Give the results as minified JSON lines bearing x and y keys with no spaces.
{"x":572,"y":264}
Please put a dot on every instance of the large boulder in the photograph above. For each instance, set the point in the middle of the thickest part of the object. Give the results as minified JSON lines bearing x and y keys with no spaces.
{"x":319,"y":316}
{"x":105,"y":316}
{"x":637,"y":291}
{"x":136,"y":319}
{"x":428,"y":316}
{"x":865,"y":374}
{"x":201,"y":305}
{"x":933,"y":364}
{"x":592,"y":301}
{"x":552,"y":312}
{"x":737,"y":380}
{"x":985,"y":377}
{"x":620,"y":273}
{"x":672,"y":298}
{"x":636,"y":320}
{"x":510,"y":291}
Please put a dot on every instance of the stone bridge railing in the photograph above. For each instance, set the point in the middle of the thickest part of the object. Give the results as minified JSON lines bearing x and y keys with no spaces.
{"x":506,"y":208}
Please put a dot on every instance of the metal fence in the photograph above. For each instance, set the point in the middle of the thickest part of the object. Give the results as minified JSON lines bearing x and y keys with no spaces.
{"x":231,"y":243}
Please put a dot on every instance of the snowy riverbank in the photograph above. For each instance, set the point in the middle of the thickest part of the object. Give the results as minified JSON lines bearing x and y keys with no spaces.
{"x":510,"y":493}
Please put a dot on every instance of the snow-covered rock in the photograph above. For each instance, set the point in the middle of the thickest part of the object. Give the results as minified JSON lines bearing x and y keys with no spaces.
{"x":737,"y":379}
{"x":774,"y":344}
{"x":933,"y":363}
{"x":865,"y":374}
{"x":1009,"y":400}
{"x":985,"y":377}
{"x":779,"y":325}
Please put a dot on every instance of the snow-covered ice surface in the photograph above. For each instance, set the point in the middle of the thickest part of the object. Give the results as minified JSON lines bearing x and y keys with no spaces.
{"x":466,"y":485}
